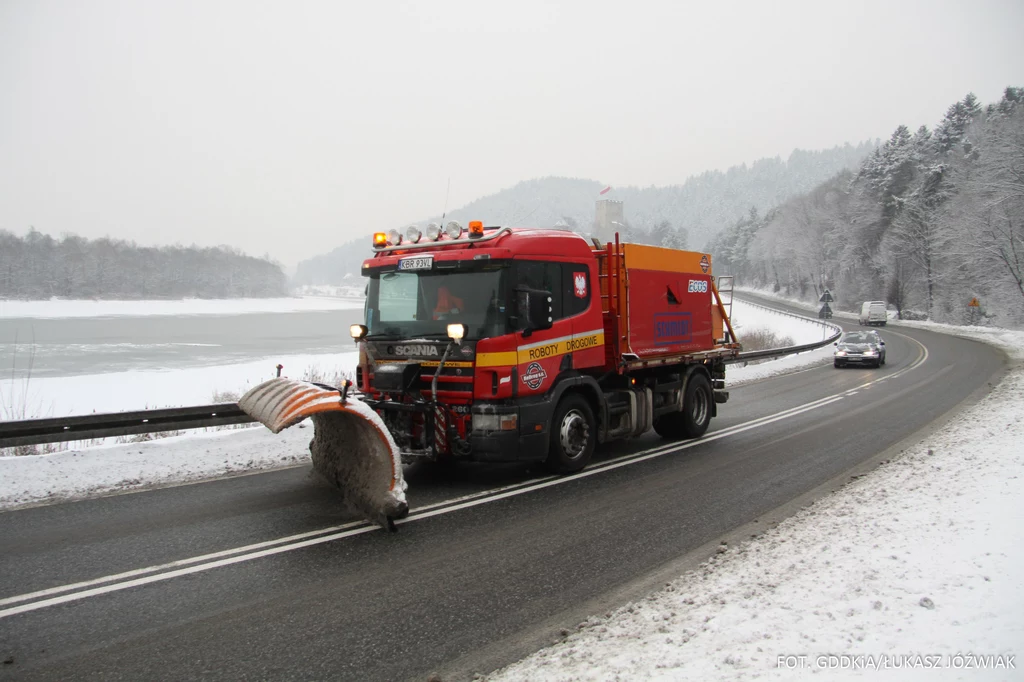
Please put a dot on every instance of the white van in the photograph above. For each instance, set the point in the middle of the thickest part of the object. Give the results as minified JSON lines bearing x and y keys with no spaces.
{"x":873,"y":313}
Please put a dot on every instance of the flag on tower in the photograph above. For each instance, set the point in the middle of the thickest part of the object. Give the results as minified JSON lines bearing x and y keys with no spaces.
{"x":606,"y":190}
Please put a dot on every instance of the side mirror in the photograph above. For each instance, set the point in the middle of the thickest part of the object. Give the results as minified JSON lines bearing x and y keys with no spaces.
{"x":882,"y":343}
{"x":533,"y":310}
{"x":836,"y":343}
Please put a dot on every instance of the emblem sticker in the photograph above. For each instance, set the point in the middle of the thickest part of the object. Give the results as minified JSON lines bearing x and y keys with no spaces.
{"x":580,"y":284}
{"x":534,"y":375}
{"x":705,"y":262}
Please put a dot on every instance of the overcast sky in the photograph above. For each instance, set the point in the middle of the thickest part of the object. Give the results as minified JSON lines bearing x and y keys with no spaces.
{"x":291,"y":127}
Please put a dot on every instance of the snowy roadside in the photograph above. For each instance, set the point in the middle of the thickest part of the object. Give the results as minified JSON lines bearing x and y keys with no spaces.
{"x":94,"y":472}
{"x":911,"y":572}
{"x":109,"y":468}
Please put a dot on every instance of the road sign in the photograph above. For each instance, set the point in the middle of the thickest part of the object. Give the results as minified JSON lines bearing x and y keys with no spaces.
{"x":825,"y":312}
{"x":825,"y":297}
{"x":974,"y":303}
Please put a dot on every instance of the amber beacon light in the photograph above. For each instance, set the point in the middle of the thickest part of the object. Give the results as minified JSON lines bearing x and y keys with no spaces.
{"x":476,"y":229}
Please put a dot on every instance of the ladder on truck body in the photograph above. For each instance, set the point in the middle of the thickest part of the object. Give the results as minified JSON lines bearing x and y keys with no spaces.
{"x":724,"y":288}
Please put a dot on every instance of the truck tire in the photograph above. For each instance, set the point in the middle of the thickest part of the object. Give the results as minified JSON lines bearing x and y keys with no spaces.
{"x":573,"y":435}
{"x":695,"y":418}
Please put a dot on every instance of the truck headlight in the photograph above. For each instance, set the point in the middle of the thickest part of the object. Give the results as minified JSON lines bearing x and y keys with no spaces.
{"x":495,"y":422}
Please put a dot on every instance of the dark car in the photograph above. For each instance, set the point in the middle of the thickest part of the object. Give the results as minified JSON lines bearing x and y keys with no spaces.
{"x":860,"y":348}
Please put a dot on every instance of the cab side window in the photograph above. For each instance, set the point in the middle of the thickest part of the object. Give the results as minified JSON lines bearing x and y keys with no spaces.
{"x":545,"y":277}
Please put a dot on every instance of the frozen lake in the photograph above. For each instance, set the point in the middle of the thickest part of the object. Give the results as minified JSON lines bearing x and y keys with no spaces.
{"x":120,"y":338}
{"x":74,"y":357}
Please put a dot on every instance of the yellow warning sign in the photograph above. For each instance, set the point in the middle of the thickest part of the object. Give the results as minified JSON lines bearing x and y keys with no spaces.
{"x":974,"y":303}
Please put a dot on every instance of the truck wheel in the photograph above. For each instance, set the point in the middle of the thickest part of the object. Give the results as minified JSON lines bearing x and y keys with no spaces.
{"x":573,"y":435}
{"x":695,"y":418}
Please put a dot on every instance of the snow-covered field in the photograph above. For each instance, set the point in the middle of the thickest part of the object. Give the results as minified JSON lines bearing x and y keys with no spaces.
{"x":196,"y":306}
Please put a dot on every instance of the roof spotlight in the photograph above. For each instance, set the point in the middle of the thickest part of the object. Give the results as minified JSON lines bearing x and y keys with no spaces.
{"x":453,"y":229}
{"x":395,"y":237}
{"x":413,"y":234}
{"x":433,"y":232}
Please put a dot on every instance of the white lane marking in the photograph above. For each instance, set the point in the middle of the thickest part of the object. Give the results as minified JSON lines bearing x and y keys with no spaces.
{"x":310,"y":538}
{"x":238,"y":550}
{"x":116,"y":587}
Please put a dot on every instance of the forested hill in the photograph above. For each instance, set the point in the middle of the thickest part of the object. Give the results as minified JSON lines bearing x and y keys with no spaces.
{"x":930,"y":221}
{"x":38,"y":266}
{"x":693,"y":212}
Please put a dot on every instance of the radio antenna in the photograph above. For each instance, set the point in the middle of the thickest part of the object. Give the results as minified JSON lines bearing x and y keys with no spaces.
{"x":446,"y":195}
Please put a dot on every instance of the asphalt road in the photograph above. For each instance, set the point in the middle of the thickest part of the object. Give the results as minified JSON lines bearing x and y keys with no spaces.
{"x":466,"y":585}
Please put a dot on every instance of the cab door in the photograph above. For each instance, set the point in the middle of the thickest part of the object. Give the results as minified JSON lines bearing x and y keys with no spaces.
{"x":540,"y":352}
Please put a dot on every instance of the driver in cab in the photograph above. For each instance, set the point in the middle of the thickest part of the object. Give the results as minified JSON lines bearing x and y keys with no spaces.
{"x":447,"y":304}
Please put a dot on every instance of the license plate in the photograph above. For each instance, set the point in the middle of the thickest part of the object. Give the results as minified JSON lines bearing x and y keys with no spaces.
{"x":420,"y":263}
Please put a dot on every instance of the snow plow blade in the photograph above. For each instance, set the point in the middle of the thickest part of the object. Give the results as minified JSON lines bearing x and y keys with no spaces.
{"x":351,"y":447}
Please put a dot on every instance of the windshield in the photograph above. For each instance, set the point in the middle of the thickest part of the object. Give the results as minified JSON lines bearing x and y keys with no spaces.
{"x":859,"y":337}
{"x":424,"y":303}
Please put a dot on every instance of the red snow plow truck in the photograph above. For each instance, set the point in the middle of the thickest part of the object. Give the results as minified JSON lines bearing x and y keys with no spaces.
{"x":514,"y":344}
{"x":510,"y":344}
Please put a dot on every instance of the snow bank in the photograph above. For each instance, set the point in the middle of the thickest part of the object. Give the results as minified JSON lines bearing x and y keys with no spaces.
{"x":749,"y":316}
{"x":232,"y":306}
{"x":132,"y":466}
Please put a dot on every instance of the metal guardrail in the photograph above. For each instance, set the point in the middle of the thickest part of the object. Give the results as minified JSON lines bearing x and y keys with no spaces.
{"x":85,"y":427}
{"x":835,"y":330}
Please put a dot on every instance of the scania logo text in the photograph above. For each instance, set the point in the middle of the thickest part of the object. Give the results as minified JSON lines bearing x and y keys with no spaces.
{"x":412,"y":350}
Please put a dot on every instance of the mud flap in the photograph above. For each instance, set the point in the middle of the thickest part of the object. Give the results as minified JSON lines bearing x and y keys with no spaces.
{"x":351,"y":447}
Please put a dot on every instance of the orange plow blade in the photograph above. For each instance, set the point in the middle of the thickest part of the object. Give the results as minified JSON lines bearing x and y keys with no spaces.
{"x":351,"y":447}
